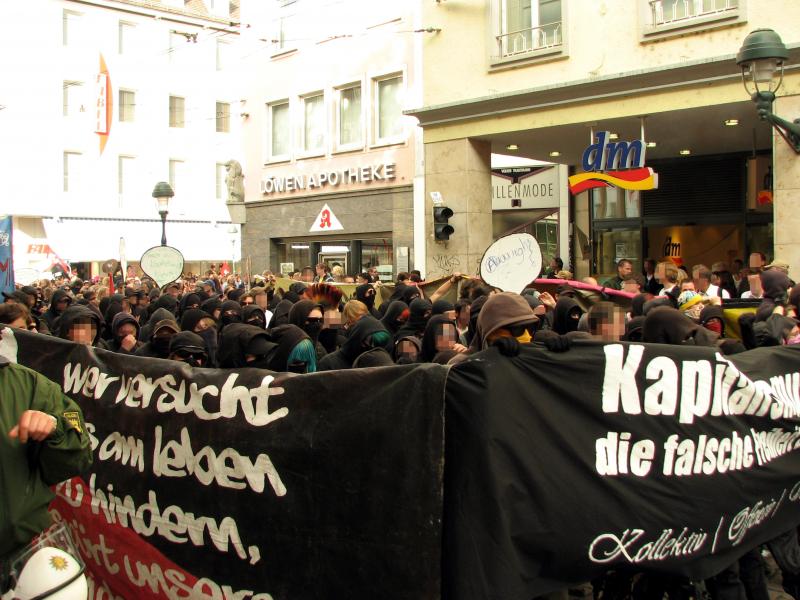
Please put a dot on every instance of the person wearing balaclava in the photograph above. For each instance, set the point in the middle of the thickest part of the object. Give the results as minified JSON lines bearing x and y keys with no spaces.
{"x":775,"y":285}
{"x":158,"y":344}
{"x":399,"y":290}
{"x":243,"y":345}
{"x":203,"y":324}
{"x":393,"y":318}
{"x":366,"y":294}
{"x":190,"y":348}
{"x":253,"y":315}
{"x":309,"y":317}
{"x":230,"y":313}
{"x":665,"y":325}
{"x":367,"y":333}
{"x":187,"y":302}
{"x":160,"y":314}
{"x":124,"y":335}
{"x":165,"y":301}
{"x":419,"y":311}
{"x":566,"y":315}
{"x":58,"y":304}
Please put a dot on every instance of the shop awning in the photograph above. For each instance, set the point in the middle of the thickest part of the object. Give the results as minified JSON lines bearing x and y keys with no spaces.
{"x":90,"y":240}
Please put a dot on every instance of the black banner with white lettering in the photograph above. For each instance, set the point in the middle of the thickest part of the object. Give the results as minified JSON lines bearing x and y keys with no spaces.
{"x":248,"y":484}
{"x":633,"y":457}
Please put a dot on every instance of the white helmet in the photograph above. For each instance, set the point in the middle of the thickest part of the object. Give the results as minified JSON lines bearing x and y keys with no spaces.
{"x":50,"y":568}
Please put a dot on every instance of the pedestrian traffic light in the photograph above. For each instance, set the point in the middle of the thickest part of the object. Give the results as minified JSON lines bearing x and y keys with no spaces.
{"x":442,"y":230}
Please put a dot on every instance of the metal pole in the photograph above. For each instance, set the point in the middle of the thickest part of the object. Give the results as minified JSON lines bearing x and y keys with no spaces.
{"x":163,"y":214}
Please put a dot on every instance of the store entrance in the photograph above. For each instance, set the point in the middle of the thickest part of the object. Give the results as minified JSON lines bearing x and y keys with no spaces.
{"x":333,"y":260}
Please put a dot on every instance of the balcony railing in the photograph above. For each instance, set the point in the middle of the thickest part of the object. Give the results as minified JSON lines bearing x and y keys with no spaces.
{"x":528,"y":40}
{"x":667,"y":12}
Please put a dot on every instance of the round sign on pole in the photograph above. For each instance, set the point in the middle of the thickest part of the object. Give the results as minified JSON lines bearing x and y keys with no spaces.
{"x":163,"y":264}
{"x":512,"y":262}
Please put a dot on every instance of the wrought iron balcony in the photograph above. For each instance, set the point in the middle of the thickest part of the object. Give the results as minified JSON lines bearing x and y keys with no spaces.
{"x":520,"y":42}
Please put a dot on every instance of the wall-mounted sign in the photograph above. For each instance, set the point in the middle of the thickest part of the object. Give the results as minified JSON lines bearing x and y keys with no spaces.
{"x":326,"y":221}
{"x":163,"y":264}
{"x":104,"y":104}
{"x":619,"y":164}
{"x":512,"y":262}
{"x":327,"y":179}
{"x":525,"y":187}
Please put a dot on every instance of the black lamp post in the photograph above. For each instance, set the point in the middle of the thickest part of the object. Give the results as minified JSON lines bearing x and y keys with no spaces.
{"x":162,"y":193}
{"x":761,"y":59}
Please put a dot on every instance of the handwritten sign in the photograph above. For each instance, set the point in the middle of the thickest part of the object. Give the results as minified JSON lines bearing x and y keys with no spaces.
{"x":164,"y":264}
{"x":512,"y":262}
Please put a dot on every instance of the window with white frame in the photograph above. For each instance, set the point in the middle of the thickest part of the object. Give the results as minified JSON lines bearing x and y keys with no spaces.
{"x":667,"y":15}
{"x":70,"y":32}
{"x":527,"y":26}
{"x":314,"y":123}
{"x":222,"y":188}
{"x":223,"y":117}
{"x":388,"y":109}
{"x":177,"y":175}
{"x":73,"y":98}
{"x":176,"y":111}
{"x":73,"y":171}
{"x":286,"y":30}
{"x":349,"y":116}
{"x":126,"y":33}
{"x":126,"y":174}
{"x":279,"y":138}
{"x":127,"y":106}
{"x":223,"y":54}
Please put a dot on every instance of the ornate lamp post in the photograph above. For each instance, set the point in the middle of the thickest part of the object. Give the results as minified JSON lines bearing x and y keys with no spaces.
{"x":162,"y":193}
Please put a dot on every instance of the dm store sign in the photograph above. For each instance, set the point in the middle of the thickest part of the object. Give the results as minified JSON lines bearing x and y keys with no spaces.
{"x":619,"y":164}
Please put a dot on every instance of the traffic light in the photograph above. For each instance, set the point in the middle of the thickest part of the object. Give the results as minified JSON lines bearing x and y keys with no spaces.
{"x":441,"y":229}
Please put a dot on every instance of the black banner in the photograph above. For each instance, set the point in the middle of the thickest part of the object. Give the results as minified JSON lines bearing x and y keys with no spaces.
{"x":248,"y":484}
{"x":634,"y":457}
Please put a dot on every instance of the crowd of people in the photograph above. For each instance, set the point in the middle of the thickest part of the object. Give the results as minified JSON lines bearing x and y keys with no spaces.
{"x":309,"y":326}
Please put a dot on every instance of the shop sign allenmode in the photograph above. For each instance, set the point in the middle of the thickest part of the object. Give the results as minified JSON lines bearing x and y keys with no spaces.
{"x":291,"y":183}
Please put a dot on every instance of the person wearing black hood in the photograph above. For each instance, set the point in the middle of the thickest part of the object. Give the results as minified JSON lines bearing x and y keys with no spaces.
{"x":280,"y":315}
{"x":213,"y":306}
{"x":146,"y":330}
{"x":366,"y":334}
{"x":158,"y":344}
{"x":188,"y":301}
{"x":203,"y":324}
{"x":309,"y":317}
{"x":366,"y":294}
{"x":294,"y":350}
{"x":112,"y":310}
{"x":566,"y":315}
{"x":474,"y":311}
{"x":440,"y":335}
{"x":80,"y":325}
{"x":58,"y":304}
{"x":253,"y":315}
{"x":419,"y":311}
{"x":666,"y":325}
{"x":190,"y":348}
{"x":124,"y":333}
{"x":230,"y":313}
{"x":243,"y":345}
{"x":393,"y":319}
{"x":775,"y":285}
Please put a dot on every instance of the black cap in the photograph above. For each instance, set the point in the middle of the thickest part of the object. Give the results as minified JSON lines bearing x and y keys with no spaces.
{"x":259,"y":345}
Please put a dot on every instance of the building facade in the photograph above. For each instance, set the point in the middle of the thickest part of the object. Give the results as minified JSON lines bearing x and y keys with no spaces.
{"x":103,"y":99}
{"x":543,"y":78}
{"x":332,"y":170}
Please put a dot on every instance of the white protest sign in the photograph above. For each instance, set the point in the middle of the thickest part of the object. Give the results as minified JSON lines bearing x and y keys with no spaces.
{"x":163,"y":264}
{"x":512,"y":262}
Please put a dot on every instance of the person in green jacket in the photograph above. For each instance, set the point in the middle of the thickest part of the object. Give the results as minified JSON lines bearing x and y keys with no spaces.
{"x":43,"y":441}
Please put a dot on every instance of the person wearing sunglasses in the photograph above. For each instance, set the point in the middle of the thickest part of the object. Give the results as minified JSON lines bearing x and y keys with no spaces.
{"x":190,"y":348}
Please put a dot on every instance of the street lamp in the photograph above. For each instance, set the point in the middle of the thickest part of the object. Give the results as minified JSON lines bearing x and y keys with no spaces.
{"x":761,"y":59}
{"x":162,"y":193}
{"x":233,"y":230}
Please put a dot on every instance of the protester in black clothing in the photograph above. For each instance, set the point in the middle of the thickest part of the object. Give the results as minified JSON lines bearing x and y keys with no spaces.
{"x":79,"y":324}
{"x":230,"y":313}
{"x":294,"y":350}
{"x":190,"y":348}
{"x":366,"y":334}
{"x":280,"y":315}
{"x":124,"y":335}
{"x":419,"y":311}
{"x":58,"y":304}
{"x":395,"y":316}
{"x":158,"y":344}
{"x":309,"y":317}
{"x":253,"y":315}
{"x":243,"y":345}
{"x":566,"y":315}
{"x":440,"y":335}
{"x":366,"y":294}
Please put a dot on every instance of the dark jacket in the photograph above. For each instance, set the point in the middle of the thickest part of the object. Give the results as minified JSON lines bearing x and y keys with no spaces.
{"x":235,"y":340}
{"x":51,"y":315}
{"x":74,"y":313}
{"x":113,"y":344}
{"x":358,"y":342}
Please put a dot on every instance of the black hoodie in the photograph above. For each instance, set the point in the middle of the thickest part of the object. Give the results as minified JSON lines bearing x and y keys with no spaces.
{"x":74,"y":313}
{"x":113,"y":343}
{"x":356,"y":344}
{"x":419,"y":313}
{"x":563,"y":319}
{"x":233,"y":345}
{"x":280,"y":315}
{"x":298,"y":316}
{"x":51,"y":315}
{"x":253,"y":315}
{"x":286,"y":337}
{"x":393,"y":312}
{"x":432,"y":329}
{"x":160,"y":314}
{"x":366,"y":294}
